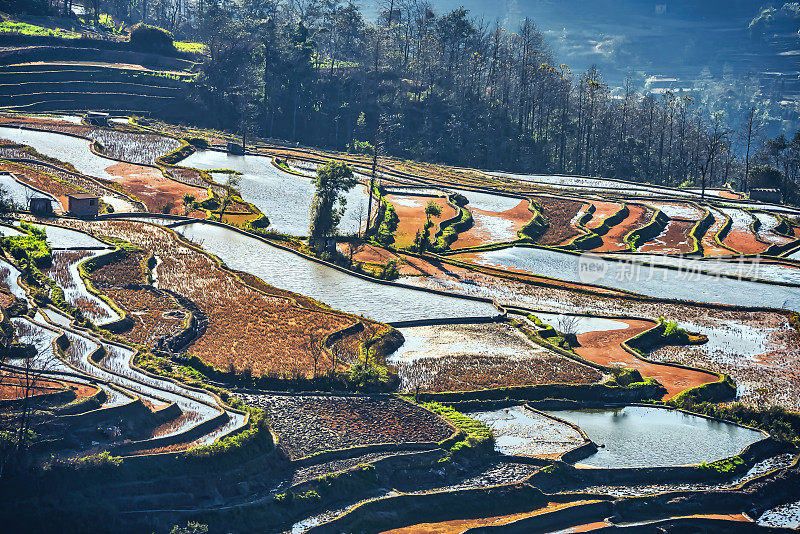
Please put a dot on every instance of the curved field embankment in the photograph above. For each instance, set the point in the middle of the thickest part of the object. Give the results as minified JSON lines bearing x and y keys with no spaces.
{"x":741,"y":236}
{"x":676,"y":238}
{"x":603,"y":210}
{"x":263,"y":331}
{"x":605,"y":347}
{"x":711,"y":241}
{"x":492,"y":226}
{"x":562,"y":215}
{"x":614,"y":239}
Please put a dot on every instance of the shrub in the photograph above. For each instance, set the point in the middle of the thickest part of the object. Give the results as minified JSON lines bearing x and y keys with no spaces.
{"x":725,"y":466}
{"x":360,"y":147}
{"x":198,"y":142}
{"x":152,"y":38}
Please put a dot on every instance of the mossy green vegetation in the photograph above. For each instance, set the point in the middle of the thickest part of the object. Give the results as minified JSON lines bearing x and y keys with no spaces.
{"x":32,"y":246}
{"x":22,"y":28}
{"x":477,"y":435}
{"x":726,"y":466}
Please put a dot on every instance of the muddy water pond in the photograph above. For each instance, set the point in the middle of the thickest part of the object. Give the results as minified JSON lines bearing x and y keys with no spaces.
{"x":284,"y":198}
{"x":286,"y":270}
{"x":638,"y":436}
{"x":650,"y":280}
{"x":520,"y":431}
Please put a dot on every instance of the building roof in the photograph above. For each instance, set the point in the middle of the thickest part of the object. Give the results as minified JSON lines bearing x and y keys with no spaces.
{"x":82,"y":196}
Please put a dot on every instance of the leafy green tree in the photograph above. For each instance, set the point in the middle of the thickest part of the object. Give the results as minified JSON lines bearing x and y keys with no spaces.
{"x":422,"y":240}
{"x":328,"y":206}
{"x":188,"y":200}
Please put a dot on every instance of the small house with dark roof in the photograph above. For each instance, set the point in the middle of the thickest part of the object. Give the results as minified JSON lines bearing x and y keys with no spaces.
{"x":41,"y":206}
{"x":97,"y":118}
{"x":83,"y":205}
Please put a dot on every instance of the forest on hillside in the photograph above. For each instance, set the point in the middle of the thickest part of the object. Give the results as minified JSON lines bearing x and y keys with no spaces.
{"x":446,"y":87}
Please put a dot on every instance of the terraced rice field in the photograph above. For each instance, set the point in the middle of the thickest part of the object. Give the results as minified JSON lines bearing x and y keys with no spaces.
{"x":600,"y":341}
{"x":284,"y":198}
{"x":411,"y":214}
{"x":674,"y":239}
{"x":240,"y":318}
{"x":603,"y":210}
{"x":709,"y":243}
{"x":480,"y":356}
{"x":308,"y":424}
{"x":496,"y":219}
{"x":261,"y":314}
{"x":614,"y":239}
{"x":524,"y":432}
{"x":741,"y":237}
{"x":148,"y":184}
{"x":561,"y":215}
{"x":64,"y":272}
{"x":767,"y":229}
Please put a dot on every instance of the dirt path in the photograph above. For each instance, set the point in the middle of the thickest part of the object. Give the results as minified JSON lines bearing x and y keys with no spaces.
{"x":604,"y":348}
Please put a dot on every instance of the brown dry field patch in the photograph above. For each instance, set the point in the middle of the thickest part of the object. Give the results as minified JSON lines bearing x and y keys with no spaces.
{"x":13,"y":386}
{"x":151,"y":187}
{"x":730,"y":194}
{"x":744,"y":241}
{"x":466,"y":372}
{"x":614,"y":239}
{"x":412,"y":217}
{"x":129,"y":268}
{"x":559,"y":213}
{"x":675,"y":239}
{"x":605,"y":348}
{"x":45,"y":124}
{"x":267,"y":334}
{"x":709,"y":244}
{"x":481,"y":233}
{"x":154,"y":315}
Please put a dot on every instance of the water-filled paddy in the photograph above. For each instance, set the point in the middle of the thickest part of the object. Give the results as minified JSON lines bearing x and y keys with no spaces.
{"x":9,"y":276}
{"x":20,"y":194}
{"x":784,"y":516}
{"x":288,"y":271}
{"x":60,"y":237}
{"x":283,"y":197}
{"x":743,"y":267}
{"x":581,"y":324}
{"x":520,"y":431}
{"x":62,"y":147}
{"x":648,"y":280}
{"x":638,"y":436}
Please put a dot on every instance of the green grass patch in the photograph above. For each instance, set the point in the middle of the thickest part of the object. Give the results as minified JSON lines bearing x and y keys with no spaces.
{"x":192,"y":48}
{"x":478,"y":435}
{"x":726,"y":466}
{"x":23,"y":28}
